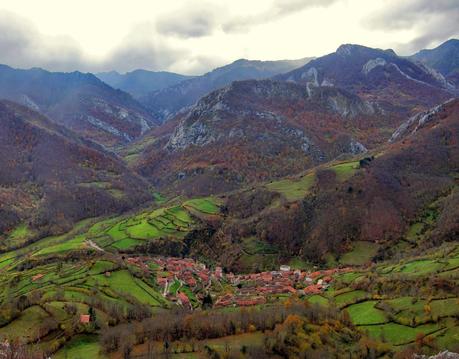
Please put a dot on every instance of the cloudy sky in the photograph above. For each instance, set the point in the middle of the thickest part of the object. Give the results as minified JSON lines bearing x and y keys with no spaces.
{"x":194,"y":36}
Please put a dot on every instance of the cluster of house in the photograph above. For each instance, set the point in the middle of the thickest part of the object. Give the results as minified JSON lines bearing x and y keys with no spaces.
{"x":248,"y":289}
{"x":253,"y":289}
{"x":186,"y":270}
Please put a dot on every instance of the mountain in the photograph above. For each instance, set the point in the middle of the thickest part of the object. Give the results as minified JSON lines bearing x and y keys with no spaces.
{"x":394,"y":84}
{"x":165,"y":103}
{"x":78,"y":101}
{"x":139,"y":83}
{"x":401,"y":198}
{"x":51,"y":177}
{"x":444,"y":59}
{"x":257,"y":130}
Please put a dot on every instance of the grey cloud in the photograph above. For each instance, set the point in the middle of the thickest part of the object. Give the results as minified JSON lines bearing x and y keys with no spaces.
{"x":22,"y":46}
{"x":191,"y":21}
{"x":141,"y":48}
{"x":279,"y":9}
{"x":433,"y":21}
{"x":199,"y":64}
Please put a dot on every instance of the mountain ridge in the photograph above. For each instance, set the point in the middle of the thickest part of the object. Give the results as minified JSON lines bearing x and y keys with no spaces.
{"x":78,"y":101}
{"x":167,"y":102}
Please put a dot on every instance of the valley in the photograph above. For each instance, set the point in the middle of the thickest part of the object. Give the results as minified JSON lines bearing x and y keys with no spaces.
{"x":266,"y":209}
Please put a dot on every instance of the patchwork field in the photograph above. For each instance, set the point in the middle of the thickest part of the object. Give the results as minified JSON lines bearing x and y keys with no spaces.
{"x":50,"y":291}
{"x":397,"y":307}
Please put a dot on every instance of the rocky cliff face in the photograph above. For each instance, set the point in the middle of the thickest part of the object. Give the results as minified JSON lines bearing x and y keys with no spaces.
{"x":254,"y":130}
{"x":416,"y":122}
{"x":213,"y":118}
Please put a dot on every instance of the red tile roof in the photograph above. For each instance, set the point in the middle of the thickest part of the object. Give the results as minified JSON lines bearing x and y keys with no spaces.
{"x":85,"y":318}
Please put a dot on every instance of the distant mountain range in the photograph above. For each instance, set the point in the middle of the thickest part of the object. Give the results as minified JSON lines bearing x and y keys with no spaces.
{"x":165,"y":103}
{"x":80,"y":102}
{"x":141,"y":82}
{"x":332,"y":181}
{"x":340,"y":104}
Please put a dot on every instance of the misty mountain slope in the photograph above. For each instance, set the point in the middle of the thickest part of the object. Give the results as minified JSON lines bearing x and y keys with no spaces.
{"x":256,"y":130}
{"x":78,"y":101}
{"x":165,"y":103}
{"x":396,"y":85}
{"x":139,"y":83}
{"x":444,"y":58}
{"x":51,"y":178}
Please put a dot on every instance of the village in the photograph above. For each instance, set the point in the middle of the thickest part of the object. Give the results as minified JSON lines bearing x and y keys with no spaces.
{"x":180,"y":278}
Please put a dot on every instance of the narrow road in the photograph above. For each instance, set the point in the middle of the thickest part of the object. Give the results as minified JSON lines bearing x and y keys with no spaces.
{"x":95,"y":246}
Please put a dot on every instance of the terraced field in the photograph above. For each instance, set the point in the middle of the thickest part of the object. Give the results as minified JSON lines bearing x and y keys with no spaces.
{"x":394,"y":316}
{"x":118,"y":233}
{"x":105,"y":285}
{"x":166,"y":222}
{"x":98,"y":278}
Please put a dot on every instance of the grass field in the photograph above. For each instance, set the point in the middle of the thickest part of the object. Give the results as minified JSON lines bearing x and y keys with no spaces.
{"x":397,"y":334}
{"x":420,"y":267}
{"x":72,"y":244}
{"x":344,"y":171}
{"x":28,"y":324}
{"x":204,"y":205}
{"x":350,"y":297}
{"x":361,"y":253}
{"x":366,"y":314}
{"x":398,"y":319}
{"x":293,"y":189}
{"x":123,"y":282}
{"x":81,"y":347}
{"x":129,"y":232}
{"x":318,"y":299}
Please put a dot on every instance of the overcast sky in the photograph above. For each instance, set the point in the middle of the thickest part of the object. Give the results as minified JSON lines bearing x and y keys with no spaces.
{"x":194,"y":36}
